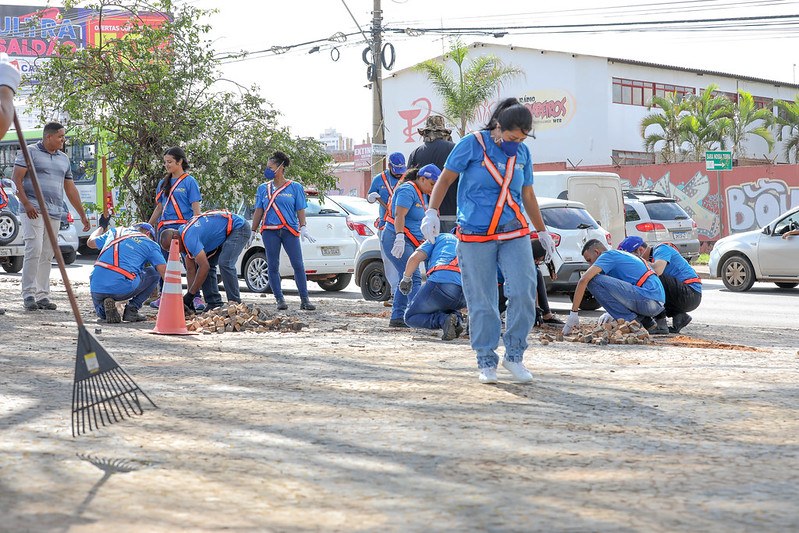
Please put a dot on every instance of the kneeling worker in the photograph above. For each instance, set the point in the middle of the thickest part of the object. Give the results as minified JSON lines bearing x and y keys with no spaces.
{"x":436,"y":304}
{"x":623,"y":284}
{"x":209,"y":239}
{"x":120,"y":272}
{"x":682,"y":286}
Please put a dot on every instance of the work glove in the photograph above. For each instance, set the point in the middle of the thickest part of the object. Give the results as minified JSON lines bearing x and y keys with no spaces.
{"x":405,"y":285}
{"x":306,"y":235}
{"x":399,"y":246}
{"x":572,"y":322}
{"x":253,"y":234}
{"x":431,"y":225}
{"x":188,"y":301}
{"x":372,"y":197}
{"x":104,"y":221}
{"x":605,"y":318}
{"x":548,"y":243}
{"x":9,"y":74}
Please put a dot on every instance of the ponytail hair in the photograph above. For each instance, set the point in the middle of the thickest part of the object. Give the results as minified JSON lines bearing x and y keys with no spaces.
{"x":177,"y":154}
{"x":410,"y":175}
{"x":510,"y":114}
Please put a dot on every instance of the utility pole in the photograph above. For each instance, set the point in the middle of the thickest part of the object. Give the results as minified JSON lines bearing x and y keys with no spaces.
{"x":378,"y":135}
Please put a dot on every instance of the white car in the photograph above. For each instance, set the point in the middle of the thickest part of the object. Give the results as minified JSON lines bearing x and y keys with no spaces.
{"x":330,"y":261}
{"x":657,"y":218}
{"x":363,"y":215}
{"x":759,"y":255}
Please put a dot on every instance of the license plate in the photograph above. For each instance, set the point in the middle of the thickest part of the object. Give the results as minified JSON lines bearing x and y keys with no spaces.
{"x":680,"y":234}
{"x":331,"y":250}
{"x":5,"y":252}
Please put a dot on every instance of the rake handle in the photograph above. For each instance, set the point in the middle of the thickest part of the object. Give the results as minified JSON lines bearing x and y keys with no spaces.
{"x":47,"y":226}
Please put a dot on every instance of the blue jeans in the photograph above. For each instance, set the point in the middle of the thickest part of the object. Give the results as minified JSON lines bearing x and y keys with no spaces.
{"x":622,"y":299}
{"x":148,"y":279}
{"x":479,"y":261}
{"x":400,"y":300}
{"x":273,"y":239}
{"x":433,"y":304}
{"x":225,"y":257}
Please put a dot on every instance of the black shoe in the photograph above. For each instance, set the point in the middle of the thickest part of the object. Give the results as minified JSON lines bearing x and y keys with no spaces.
{"x":111,"y":313}
{"x":397,"y":323}
{"x":647,"y":322}
{"x":131,"y":314}
{"x":679,"y":321}
{"x":459,"y":327}
{"x":449,"y":331}
{"x":306,"y":305}
{"x":44,"y":303}
{"x":554,"y":320}
{"x":30,"y":304}
{"x":2,"y":311}
{"x":659,"y":327}
{"x":281,"y":304}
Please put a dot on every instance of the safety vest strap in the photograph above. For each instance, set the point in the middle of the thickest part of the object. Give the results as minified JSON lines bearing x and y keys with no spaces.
{"x":694,"y":279}
{"x":113,"y":246}
{"x":272,"y":195}
{"x":193,"y":221}
{"x":3,"y":198}
{"x":452,"y":266}
{"x":645,"y":277}
{"x":390,"y":194}
{"x":171,"y":199}
{"x":406,"y":231}
{"x":467,"y":237}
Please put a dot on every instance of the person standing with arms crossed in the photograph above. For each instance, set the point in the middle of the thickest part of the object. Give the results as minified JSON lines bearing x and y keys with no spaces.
{"x":381,"y":191}
{"x":496,"y":177}
{"x":280,"y":216}
{"x":54,"y":171}
{"x":436,"y":148}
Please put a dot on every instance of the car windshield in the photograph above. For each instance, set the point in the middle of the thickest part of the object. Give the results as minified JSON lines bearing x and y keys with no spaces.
{"x":568,"y":218}
{"x":355,"y":205}
{"x":665,"y":210}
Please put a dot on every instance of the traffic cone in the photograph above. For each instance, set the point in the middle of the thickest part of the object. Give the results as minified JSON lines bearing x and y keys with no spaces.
{"x":171,"y":318}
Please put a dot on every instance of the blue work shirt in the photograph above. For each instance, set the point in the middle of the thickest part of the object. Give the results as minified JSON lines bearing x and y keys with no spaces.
{"x":441,"y":253}
{"x":288,"y":201}
{"x":186,"y":193}
{"x":630,"y":268}
{"x":207,"y":232}
{"x":134,"y":253}
{"x":407,"y":196}
{"x":478,"y":192}
{"x":676,"y":265}
{"x":379,"y":186}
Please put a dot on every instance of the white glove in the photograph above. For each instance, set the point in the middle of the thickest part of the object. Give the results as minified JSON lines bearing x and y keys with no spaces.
{"x":9,"y":75}
{"x":405,"y":285}
{"x":572,"y":322}
{"x":373,"y":196}
{"x":399,"y":246}
{"x":548,"y":243}
{"x":305,"y":234}
{"x":252,"y":238}
{"x":605,"y":318}
{"x":431,"y":225}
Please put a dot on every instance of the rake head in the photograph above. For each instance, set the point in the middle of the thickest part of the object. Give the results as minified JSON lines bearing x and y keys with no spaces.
{"x":102,"y":392}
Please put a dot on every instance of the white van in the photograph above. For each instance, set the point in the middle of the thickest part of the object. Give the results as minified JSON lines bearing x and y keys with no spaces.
{"x":600,"y":192}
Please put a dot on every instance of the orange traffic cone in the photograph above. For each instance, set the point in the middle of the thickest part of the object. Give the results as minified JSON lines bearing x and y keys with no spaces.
{"x":171,"y":318}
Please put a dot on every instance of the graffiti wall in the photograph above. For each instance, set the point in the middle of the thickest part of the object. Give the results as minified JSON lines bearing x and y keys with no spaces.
{"x":721,"y":203}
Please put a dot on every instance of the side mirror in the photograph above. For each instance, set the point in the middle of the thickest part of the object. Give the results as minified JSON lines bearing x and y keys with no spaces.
{"x":767,"y":230}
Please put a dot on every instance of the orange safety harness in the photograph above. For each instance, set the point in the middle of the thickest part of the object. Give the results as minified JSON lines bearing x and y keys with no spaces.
{"x":3,"y":198}
{"x":114,"y":266}
{"x":695,"y":279}
{"x":390,"y":194}
{"x":452,"y":265}
{"x":389,"y":218}
{"x":194,"y":220}
{"x":272,"y":197}
{"x":503,"y":199}
{"x":171,"y":198}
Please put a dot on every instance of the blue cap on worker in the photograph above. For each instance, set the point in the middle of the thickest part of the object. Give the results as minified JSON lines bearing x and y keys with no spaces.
{"x":631,"y":243}
{"x":430,"y":171}
{"x":146,"y":228}
{"x":396,"y":163}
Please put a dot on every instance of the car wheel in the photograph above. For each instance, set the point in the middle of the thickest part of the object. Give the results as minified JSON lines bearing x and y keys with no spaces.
{"x":255,"y":273}
{"x":588,"y":303}
{"x":9,"y":227}
{"x":786,"y":285}
{"x":69,"y":257}
{"x":14,"y":264}
{"x":737,"y":274}
{"x":374,"y":286}
{"x":338,"y":283}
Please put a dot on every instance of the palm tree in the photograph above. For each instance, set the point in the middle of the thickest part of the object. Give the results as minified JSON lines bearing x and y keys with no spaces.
{"x":670,"y":123}
{"x":465,"y":89}
{"x":706,"y":122}
{"x":746,"y":120}
{"x":790,"y":120}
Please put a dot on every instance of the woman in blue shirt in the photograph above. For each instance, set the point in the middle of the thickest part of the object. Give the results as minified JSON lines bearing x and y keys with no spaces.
{"x":496,"y":179}
{"x":402,"y":234}
{"x":280,"y":217}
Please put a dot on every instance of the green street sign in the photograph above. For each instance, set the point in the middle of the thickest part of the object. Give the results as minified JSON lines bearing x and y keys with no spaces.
{"x":718,"y":160}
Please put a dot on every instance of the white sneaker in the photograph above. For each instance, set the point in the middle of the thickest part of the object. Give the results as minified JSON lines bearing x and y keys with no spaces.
{"x":518,"y":370}
{"x":489,"y":375}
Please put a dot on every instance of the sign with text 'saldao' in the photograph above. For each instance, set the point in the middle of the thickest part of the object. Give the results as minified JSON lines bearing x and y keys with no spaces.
{"x":718,"y":160}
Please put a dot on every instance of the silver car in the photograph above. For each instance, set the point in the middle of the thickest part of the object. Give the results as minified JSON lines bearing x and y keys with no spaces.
{"x":759,"y":255}
{"x":657,"y":218}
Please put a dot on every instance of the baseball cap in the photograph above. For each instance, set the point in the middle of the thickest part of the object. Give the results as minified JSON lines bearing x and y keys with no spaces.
{"x":631,"y":243}
{"x":430,"y":171}
{"x":145,"y":227}
{"x":396,"y":162}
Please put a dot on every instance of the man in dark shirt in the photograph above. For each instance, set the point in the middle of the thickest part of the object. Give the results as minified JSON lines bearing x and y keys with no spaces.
{"x":437,"y":146}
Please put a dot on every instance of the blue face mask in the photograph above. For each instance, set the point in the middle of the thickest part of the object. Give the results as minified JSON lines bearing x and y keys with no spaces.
{"x":269,"y":174}
{"x":510,"y":148}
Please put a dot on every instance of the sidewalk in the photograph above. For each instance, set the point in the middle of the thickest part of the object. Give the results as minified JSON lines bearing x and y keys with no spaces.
{"x":703,"y":271}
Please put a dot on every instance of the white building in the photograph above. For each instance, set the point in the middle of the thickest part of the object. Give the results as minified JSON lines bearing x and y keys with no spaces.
{"x":334,"y":141}
{"x":587,"y":109}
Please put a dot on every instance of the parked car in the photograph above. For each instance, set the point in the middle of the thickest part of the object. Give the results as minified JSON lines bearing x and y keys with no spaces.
{"x":657,"y":218}
{"x":12,"y":246}
{"x":369,"y":273}
{"x":330,"y":261}
{"x":363,"y":215}
{"x":759,"y":255}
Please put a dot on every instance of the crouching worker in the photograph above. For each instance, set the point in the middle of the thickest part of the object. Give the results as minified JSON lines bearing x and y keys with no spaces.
{"x":128,"y":268}
{"x":623,"y":284}
{"x":436,"y":304}
{"x":682,"y":286}
{"x":210,"y":239}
